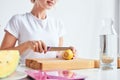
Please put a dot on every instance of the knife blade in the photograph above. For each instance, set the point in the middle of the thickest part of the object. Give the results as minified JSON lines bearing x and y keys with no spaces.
{"x":57,"y":48}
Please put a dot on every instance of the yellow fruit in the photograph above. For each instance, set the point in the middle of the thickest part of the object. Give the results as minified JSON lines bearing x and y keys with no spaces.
{"x":9,"y":60}
{"x":68,"y":54}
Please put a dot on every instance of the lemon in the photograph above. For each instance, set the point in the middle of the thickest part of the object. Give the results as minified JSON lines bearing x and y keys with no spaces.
{"x":68,"y":54}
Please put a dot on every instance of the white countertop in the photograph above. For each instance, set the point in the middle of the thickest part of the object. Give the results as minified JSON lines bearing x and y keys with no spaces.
{"x":91,"y":74}
{"x":97,"y":74}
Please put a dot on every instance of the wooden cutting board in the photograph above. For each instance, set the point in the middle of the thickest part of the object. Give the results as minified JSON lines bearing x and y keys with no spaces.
{"x":59,"y":64}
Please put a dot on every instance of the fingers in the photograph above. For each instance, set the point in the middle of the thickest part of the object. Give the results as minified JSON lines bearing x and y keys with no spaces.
{"x":74,"y":50}
{"x":44,"y":47}
{"x":39,"y":46}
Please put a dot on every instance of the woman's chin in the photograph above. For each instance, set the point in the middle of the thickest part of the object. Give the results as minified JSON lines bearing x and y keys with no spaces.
{"x":49,"y":7}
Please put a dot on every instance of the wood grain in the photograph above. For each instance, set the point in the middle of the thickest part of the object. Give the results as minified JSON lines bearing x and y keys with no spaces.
{"x":59,"y":64}
{"x":118,"y":63}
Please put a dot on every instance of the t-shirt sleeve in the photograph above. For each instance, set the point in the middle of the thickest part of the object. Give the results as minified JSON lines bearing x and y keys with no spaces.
{"x":62,"y":30}
{"x":12,"y":26}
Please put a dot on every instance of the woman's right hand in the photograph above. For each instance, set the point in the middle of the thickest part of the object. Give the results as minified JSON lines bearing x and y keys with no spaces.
{"x":38,"y":46}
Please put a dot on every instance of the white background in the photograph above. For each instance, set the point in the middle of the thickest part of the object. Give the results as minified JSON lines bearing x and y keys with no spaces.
{"x":82,"y":19}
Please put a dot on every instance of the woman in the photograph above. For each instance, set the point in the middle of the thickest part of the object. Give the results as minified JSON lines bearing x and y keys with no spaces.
{"x":34,"y":31}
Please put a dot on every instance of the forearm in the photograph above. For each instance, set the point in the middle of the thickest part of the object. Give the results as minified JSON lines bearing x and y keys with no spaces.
{"x":21,"y":48}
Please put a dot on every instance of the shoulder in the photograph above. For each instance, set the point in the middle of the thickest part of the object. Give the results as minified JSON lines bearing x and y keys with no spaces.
{"x":18,"y":17}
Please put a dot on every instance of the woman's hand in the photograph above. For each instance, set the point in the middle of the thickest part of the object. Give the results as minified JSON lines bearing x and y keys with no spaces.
{"x":73,"y":50}
{"x":38,"y":46}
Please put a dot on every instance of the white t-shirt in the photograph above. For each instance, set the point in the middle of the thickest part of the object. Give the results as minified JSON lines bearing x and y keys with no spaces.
{"x":28,"y":27}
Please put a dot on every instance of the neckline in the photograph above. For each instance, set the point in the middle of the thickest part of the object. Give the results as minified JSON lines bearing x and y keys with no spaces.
{"x":38,"y":18}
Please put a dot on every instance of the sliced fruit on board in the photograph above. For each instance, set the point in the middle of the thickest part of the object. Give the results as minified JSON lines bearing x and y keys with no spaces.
{"x":9,"y":60}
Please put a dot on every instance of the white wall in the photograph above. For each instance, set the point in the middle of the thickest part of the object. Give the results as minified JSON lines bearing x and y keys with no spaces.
{"x":82,"y":19}
{"x":10,"y":7}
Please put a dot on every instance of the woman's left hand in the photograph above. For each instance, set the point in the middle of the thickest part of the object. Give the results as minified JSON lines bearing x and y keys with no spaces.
{"x":73,"y":50}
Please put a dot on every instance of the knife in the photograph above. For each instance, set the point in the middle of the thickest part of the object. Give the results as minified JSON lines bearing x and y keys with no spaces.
{"x":57,"y":48}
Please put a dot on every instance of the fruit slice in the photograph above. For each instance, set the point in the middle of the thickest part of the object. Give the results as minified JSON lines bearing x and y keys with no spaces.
{"x":9,"y":60}
{"x":68,"y":54}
